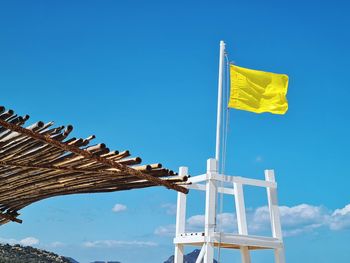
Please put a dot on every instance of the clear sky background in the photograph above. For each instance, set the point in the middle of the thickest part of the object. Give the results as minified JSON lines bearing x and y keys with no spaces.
{"x":142,"y":75}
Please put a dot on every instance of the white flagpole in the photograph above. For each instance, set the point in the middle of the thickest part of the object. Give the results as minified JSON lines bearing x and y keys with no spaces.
{"x":220,"y":82}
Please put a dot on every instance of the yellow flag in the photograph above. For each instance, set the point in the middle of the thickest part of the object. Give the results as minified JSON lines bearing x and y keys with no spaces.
{"x":258,"y":91}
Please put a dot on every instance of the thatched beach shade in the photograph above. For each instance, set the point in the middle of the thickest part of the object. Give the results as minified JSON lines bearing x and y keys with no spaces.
{"x":40,"y":161}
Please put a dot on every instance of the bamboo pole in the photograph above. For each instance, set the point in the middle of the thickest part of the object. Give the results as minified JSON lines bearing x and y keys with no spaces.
{"x":86,"y":154}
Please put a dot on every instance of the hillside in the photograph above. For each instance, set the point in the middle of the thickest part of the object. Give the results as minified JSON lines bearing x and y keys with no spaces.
{"x":20,"y":254}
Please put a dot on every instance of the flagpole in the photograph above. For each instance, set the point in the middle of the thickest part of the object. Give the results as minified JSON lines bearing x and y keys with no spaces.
{"x":219,"y":110}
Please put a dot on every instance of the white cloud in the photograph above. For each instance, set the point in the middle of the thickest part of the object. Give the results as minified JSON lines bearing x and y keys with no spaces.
{"x":118,"y":243}
{"x":196,"y":222}
{"x":303,"y":214}
{"x":32,"y":241}
{"x":340,"y":218}
{"x":343,"y":211}
{"x":303,"y":218}
{"x":10,"y":241}
{"x":168,"y":230}
{"x":119,"y":208}
{"x":227,"y":222}
{"x":28,"y":241}
{"x":259,"y":219}
{"x":295,"y":220}
{"x":170,"y":209}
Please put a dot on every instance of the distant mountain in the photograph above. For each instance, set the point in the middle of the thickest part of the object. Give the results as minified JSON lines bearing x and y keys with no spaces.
{"x":189,"y":258}
{"x":71,"y":260}
{"x":20,"y":254}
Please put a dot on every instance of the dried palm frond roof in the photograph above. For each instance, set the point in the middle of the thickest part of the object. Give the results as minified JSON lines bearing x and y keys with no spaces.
{"x":41,"y":161}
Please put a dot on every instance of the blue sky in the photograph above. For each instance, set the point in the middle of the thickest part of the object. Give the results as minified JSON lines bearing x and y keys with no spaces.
{"x":142,"y":75}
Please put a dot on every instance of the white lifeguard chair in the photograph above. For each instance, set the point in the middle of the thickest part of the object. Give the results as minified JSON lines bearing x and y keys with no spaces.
{"x":210,"y":238}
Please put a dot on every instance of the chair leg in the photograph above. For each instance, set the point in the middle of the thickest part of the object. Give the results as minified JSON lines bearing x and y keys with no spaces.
{"x":245,"y":255}
{"x":279,"y":255}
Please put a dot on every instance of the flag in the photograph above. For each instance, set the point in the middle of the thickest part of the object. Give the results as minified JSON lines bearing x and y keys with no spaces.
{"x":258,"y":91}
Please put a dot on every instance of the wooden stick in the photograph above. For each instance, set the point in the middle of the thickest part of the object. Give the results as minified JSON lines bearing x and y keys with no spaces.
{"x":86,"y":154}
